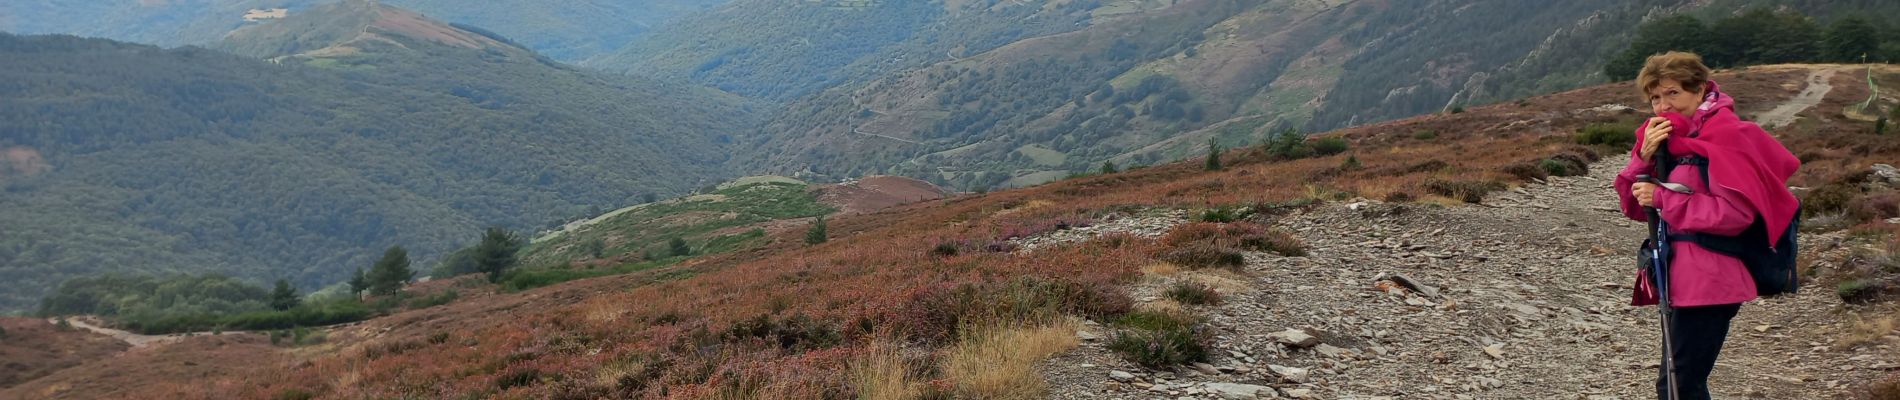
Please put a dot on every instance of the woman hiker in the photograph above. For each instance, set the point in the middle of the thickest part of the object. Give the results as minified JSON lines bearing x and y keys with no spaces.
{"x":1746,"y":179}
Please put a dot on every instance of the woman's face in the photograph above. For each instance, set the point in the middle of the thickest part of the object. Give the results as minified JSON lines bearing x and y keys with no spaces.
{"x":1669,"y":96}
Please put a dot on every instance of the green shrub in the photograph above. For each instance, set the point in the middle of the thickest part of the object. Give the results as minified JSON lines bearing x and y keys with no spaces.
{"x":945,"y":249}
{"x":1194,"y":293}
{"x":1857,"y":291}
{"x":1330,"y":145}
{"x":816,"y":234}
{"x":1288,"y":144}
{"x":677,"y":247}
{"x":1350,"y":164}
{"x":1880,"y":126}
{"x":1829,"y":198}
{"x":1220,"y":214}
{"x":1425,"y":134}
{"x":1205,"y":256}
{"x":1618,"y":135}
{"x":1213,"y":156}
{"x":439,"y":338}
{"x":440,"y":298}
{"x":1458,"y":110}
{"x":293,"y":394}
{"x":1554,"y":167}
{"x":1160,"y":339}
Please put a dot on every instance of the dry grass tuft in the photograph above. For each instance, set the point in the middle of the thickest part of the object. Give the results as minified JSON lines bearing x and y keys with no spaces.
{"x":1000,"y":363}
{"x":881,"y":373}
{"x":1867,"y":331}
{"x":1884,"y":389}
{"x":1160,"y":270}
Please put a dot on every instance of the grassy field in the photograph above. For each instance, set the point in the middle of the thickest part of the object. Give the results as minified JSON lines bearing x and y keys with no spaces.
{"x":709,"y":223}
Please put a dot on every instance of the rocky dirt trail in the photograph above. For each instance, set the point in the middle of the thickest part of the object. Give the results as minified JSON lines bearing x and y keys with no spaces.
{"x":1522,"y":297}
{"x":1811,"y":95}
{"x":135,"y":339}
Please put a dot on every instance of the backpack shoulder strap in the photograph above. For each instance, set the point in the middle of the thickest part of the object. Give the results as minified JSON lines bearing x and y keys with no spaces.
{"x":1701,"y":163}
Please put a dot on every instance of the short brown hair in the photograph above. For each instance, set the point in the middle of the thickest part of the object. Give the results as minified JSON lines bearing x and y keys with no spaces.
{"x":1682,"y":67}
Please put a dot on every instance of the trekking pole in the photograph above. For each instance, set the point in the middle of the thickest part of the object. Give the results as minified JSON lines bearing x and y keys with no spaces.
{"x":1659,"y":273}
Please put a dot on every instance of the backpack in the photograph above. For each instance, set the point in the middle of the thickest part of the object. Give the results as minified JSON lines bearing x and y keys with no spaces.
{"x":1773,"y":268}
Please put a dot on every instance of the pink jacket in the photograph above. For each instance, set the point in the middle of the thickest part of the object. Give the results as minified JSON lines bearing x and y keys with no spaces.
{"x":1697,"y":276}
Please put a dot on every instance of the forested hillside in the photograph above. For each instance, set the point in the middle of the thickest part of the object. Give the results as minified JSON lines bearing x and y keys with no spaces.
{"x":980,"y":94}
{"x":132,"y":158}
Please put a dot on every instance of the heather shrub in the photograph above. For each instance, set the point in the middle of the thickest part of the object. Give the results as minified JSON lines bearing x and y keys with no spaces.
{"x":1469,"y":191}
{"x":945,"y":249}
{"x":1528,"y":170}
{"x":1616,"y":135}
{"x":1220,"y":214}
{"x":1184,"y":234}
{"x":937,"y":313}
{"x":1555,"y":167}
{"x":1330,"y":145}
{"x":518,"y":378}
{"x":1274,"y":241}
{"x":796,"y":333}
{"x":1160,"y":339}
{"x":1874,"y":207}
{"x":1829,"y":198}
{"x":1205,"y":256}
{"x":293,"y":394}
{"x":1193,"y":293}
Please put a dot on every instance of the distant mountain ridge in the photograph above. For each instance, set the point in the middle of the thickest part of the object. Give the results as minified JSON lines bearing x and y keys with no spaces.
{"x":372,"y":127}
{"x":567,"y":29}
{"x":976,"y":95}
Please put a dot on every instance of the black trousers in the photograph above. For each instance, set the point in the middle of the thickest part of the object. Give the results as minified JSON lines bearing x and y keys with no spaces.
{"x":1697,"y":334}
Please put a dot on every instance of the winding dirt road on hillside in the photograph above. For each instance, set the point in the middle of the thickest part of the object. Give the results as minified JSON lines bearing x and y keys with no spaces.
{"x":134,"y":339}
{"x":1785,"y":114}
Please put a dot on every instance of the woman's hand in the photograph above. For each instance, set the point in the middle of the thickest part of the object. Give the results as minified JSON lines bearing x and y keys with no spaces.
{"x":1645,"y":193}
{"x":1657,"y":129}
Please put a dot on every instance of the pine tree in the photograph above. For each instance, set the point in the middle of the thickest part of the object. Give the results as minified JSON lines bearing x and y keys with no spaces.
{"x":1108,"y":167}
{"x":284,"y":297}
{"x":496,"y":253}
{"x":358,"y":282}
{"x":391,"y":272}
{"x":1850,"y":38}
{"x":1213,"y":155}
{"x":816,"y":234}
{"x":679,"y":247}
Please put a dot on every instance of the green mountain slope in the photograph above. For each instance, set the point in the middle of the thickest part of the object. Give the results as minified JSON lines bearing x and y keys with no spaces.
{"x":132,"y":158}
{"x":785,"y":49}
{"x":1020,"y":92}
